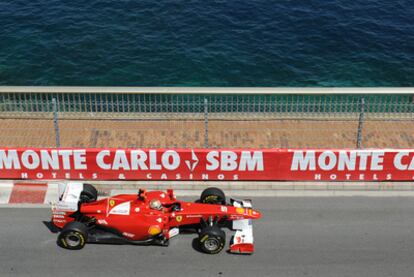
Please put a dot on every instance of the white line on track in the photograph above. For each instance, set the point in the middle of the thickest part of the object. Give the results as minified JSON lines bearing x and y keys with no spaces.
{"x":5,"y":192}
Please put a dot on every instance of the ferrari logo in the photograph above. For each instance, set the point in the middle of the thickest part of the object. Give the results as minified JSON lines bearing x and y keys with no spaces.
{"x":179,"y":218}
{"x":111,"y":202}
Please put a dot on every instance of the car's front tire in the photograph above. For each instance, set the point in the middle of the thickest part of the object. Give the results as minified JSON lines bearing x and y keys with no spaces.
{"x":73,"y":236}
{"x":212,"y":240}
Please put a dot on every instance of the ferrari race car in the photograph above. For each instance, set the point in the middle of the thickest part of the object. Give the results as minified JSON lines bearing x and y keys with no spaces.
{"x":151,"y":218}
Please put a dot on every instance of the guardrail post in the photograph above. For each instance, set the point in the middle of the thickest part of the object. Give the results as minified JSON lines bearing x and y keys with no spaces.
{"x":205,"y":123}
{"x":360,"y":122}
{"x":56,"y":122}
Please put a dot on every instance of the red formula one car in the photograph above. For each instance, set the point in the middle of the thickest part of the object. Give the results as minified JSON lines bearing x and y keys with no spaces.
{"x":152,"y":217}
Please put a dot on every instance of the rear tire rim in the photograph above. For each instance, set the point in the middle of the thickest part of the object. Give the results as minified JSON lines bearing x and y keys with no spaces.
{"x":212,"y":244}
{"x":73,"y":240}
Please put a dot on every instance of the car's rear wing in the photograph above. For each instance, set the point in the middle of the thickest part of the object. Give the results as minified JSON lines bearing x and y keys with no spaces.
{"x":69,"y":194}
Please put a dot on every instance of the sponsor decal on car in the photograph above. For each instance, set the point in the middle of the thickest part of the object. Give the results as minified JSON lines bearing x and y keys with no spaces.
{"x":129,"y":235}
{"x":240,"y":210}
{"x":121,"y":209}
{"x":58,"y":216}
{"x":193,"y":215}
{"x":102,"y":222}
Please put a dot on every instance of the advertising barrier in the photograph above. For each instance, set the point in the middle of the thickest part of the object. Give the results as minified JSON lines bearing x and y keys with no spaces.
{"x":208,"y":164}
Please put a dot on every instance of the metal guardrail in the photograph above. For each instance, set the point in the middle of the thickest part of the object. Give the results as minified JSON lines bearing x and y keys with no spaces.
{"x":181,"y":104}
{"x":221,"y":102}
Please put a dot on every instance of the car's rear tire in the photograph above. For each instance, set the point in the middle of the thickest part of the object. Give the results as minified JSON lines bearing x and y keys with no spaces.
{"x":213,"y":196}
{"x":73,"y":236}
{"x":212,"y":240}
{"x":88,"y":194}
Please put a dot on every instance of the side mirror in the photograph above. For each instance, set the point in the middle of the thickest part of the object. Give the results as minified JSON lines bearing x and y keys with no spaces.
{"x":170,"y":193}
{"x":142,"y":194}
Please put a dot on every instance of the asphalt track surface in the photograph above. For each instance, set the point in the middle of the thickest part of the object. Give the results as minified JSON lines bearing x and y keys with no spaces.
{"x":331,"y":236}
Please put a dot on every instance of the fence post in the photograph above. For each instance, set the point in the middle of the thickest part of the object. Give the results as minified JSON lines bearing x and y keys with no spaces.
{"x":205,"y":123}
{"x":56,"y":122}
{"x":360,"y":122}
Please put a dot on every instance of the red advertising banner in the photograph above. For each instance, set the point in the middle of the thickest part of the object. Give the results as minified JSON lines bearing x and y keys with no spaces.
{"x":208,"y":164}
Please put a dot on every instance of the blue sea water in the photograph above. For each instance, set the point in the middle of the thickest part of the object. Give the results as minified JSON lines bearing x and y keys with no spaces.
{"x":207,"y":43}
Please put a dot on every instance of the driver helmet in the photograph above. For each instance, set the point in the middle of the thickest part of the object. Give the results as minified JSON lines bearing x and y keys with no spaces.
{"x":155,"y":204}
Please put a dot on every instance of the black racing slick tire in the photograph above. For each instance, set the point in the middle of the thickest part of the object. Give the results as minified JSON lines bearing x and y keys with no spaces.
{"x":212,"y":240}
{"x":73,"y":236}
{"x":88,"y":194}
{"x":213,"y":196}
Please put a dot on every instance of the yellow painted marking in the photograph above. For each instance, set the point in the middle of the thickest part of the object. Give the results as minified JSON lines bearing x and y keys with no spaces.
{"x":240,"y":210}
{"x":154,"y":230}
{"x":211,"y":198}
{"x":82,"y":239}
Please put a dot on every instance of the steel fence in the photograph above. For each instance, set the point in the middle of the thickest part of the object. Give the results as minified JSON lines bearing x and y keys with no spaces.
{"x":393,"y":106}
{"x":215,"y":117}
